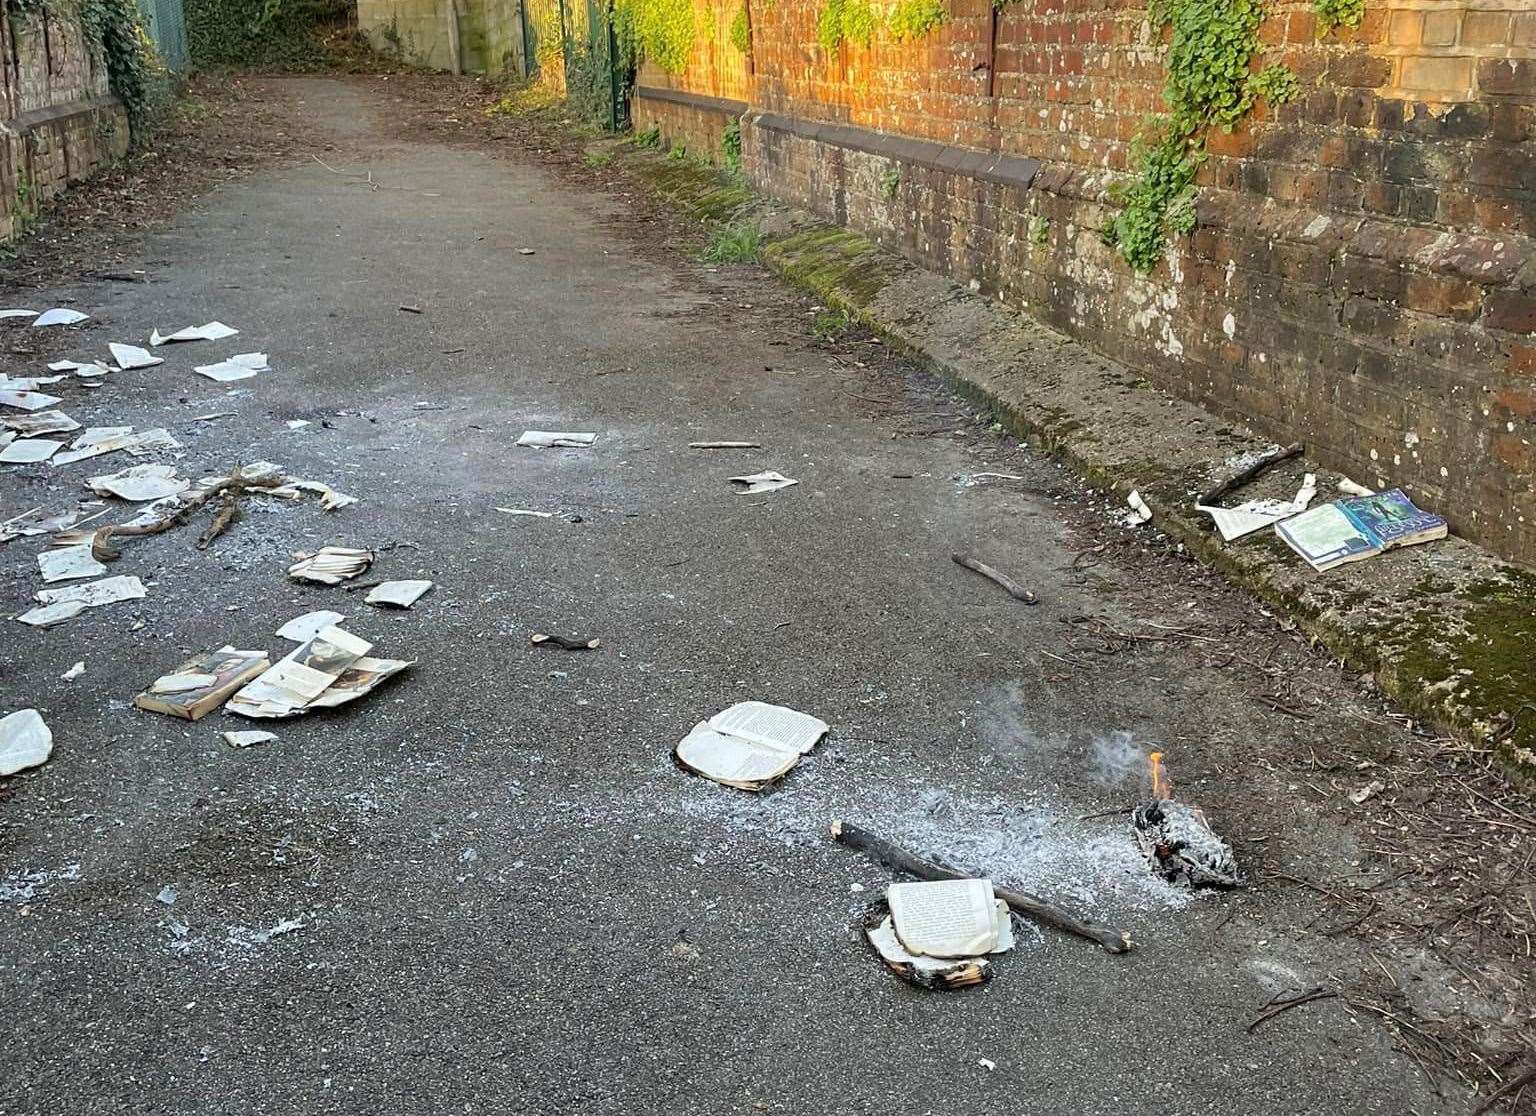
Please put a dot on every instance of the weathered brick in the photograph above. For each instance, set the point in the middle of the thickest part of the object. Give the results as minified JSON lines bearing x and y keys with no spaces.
{"x":1513,"y":76}
{"x":1443,"y":297}
{"x":1441,"y":27}
{"x":1510,"y":310}
{"x":1480,"y":29}
{"x":1436,"y":76}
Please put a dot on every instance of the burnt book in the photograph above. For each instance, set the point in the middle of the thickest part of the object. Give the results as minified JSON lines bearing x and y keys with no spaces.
{"x":200,"y":685}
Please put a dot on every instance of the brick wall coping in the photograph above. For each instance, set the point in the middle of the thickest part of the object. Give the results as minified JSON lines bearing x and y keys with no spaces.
{"x":692,"y":100}
{"x":988,"y":166}
{"x":36,"y":118}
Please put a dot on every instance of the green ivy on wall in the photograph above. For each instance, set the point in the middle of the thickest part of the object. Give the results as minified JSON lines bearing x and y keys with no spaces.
{"x":661,"y":31}
{"x":1337,"y":13}
{"x":855,"y":21}
{"x":912,"y":19}
{"x":741,"y":30}
{"x":1210,"y":83}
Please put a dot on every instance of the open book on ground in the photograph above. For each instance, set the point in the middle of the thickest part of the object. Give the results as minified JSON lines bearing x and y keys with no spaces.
{"x":950,"y":918}
{"x":925,"y":972}
{"x":200,"y":685}
{"x":1361,"y":527}
{"x":330,"y":669}
{"x":749,"y":745}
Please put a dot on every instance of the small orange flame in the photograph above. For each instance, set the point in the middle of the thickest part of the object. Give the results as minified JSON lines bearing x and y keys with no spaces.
{"x":1161,"y":787}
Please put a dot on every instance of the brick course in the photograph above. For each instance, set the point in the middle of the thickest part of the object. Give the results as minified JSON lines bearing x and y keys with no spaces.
{"x":1363,"y":273}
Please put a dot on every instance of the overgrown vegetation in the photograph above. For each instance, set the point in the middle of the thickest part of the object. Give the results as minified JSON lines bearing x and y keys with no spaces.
{"x":741,"y":30}
{"x":1337,"y":13}
{"x":650,"y":138}
{"x":730,"y":146}
{"x":662,"y":31}
{"x":1210,"y":83}
{"x":890,"y":182}
{"x":262,"y":34}
{"x":739,"y":243}
{"x":855,"y":21}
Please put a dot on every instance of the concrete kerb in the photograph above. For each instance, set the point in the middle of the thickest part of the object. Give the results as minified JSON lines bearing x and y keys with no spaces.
{"x":1448,"y":630}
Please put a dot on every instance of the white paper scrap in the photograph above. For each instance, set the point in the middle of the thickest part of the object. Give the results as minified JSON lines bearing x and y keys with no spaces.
{"x":40,"y":422}
{"x":132,"y":356}
{"x":762,"y":482}
{"x":302,"y":629}
{"x":140,"y":483}
{"x":29,"y":451}
{"x":73,"y":672}
{"x":241,"y":366}
{"x":213,"y":331}
{"x":397,"y":594}
{"x":545,"y":439}
{"x":58,"y":605}
{"x":27,"y":400}
{"x":244,"y":738}
{"x":25,"y":741}
{"x":1139,"y":512}
{"x":69,"y":563}
{"x":59,"y":315}
{"x":17,"y":313}
{"x":947,"y":918}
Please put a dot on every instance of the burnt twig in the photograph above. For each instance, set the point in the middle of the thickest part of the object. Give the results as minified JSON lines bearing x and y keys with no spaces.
{"x":1287,"y":1005}
{"x":1243,"y":476}
{"x":846,"y":833}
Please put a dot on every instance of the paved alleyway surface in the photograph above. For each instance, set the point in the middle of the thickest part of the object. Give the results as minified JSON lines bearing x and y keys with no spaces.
{"x":510,"y":898}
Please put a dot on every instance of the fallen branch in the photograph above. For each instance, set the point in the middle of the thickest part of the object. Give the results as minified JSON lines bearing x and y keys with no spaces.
{"x":1281,"y":1009}
{"x":103,"y":550}
{"x":1015,"y":590}
{"x":1243,"y":476}
{"x":846,"y":833}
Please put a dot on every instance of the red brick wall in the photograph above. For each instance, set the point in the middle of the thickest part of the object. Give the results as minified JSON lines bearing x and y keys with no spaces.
{"x":1362,"y":276}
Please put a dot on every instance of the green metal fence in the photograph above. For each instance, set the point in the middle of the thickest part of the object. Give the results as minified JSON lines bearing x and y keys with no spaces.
{"x":167,"y":27}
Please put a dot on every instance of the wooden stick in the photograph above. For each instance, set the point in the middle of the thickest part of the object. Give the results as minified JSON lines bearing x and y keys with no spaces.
{"x":1527,"y":1078}
{"x":1307,"y":998}
{"x":846,"y":833}
{"x":1015,"y":590}
{"x":1243,"y":476}
{"x":725,"y":445}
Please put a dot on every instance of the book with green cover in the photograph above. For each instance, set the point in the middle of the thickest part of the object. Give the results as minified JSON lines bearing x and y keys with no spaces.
{"x":1360,"y":527}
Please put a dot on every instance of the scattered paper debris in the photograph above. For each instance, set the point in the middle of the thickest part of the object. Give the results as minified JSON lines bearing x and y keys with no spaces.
{"x":1354,"y":488}
{"x":525,"y":511}
{"x":99,"y":440}
{"x":1255,"y":515}
{"x":29,"y":451}
{"x":27,"y":400}
{"x":298,"y":424}
{"x":39,"y":522}
{"x":397,"y":594}
{"x":331,"y":565}
{"x":331,"y":669}
{"x":525,"y":251}
{"x":132,"y":356}
{"x":168,"y":896}
{"x":245,"y":738}
{"x":40,"y":422}
{"x":762,"y":482}
{"x":26,"y":383}
{"x":58,"y":605}
{"x":140,"y":483}
{"x":545,"y":439}
{"x":302,"y":629}
{"x":1367,"y":792}
{"x":750,"y":745}
{"x":59,"y":315}
{"x":25,"y":741}
{"x":724,"y":445}
{"x":17,"y":313}
{"x":212,"y":331}
{"x":1139,"y":512}
{"x":330,"y":499}
{"x":85,"y":370}
{"x":73,"y":672}
{"x":69,"y":563}
{"x":986,"y":1063}
{"x":241,"y":366}
{"x":200,"y":685}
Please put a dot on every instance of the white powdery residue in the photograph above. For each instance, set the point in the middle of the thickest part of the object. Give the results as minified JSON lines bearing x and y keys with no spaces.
{"x":23,"y":887}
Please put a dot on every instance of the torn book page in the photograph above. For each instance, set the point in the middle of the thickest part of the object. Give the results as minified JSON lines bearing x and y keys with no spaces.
{"x":132,"y":356}
{"x":546,"y":439}
{"x":925,"y":972}
{"x":59,"y":315}
{"x":26,"y":383}
{"x":949,"y":918}
{"x":69,"y":563}
{"x":397,"y":594}
{"x":1139,"y":512}
{"x":140,"y":483}
{"x":25,"y":741}
{"x":331,"y":565}
{"x":301,"y":676}
{"x":241,"y":366}
{"x":749,"y":745}
{"x":85,"y":370}
{"x":361,"y":678}
{"x":40,"y":522}
{"x":212,"y":331}
{"x":1255,"y":515}
{"x":29,"y":451}
{"x":200,"y":685}
{"x":17,"y":313}
{"x":27,"y":400}
{"x":40,"y":422}
{"x":302,"y":629}
{"x":762,"y":482}
{"x":58,"y":605}
{"x":97,"y":441}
